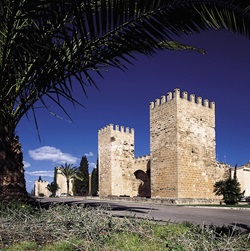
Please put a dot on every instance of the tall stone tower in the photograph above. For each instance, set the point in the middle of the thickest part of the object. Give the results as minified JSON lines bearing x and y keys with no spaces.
{"x":182,"y":145}
{"x":116,"y":157}
{"x":62,"y":183}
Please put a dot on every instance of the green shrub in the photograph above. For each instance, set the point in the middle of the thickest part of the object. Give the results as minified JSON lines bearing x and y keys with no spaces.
{"x":229,"y":189}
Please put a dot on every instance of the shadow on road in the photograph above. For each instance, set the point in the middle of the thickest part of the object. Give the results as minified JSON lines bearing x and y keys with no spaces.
{"x":105,"y":205}
{"x":242,"y":226}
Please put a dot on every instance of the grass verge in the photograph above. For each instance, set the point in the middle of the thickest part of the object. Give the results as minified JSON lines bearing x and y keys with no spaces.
{"x":66,"y":228}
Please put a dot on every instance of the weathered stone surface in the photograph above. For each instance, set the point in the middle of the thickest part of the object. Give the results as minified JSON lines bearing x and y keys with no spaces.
{"x":116,"y":161}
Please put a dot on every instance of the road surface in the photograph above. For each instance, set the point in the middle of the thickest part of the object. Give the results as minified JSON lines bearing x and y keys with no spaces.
{"x":161,"y":212}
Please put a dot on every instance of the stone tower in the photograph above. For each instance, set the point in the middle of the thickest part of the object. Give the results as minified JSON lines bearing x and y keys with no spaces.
{"x":116,"y":157}
{"x":182,"y":145}
{"x":62,"y":184}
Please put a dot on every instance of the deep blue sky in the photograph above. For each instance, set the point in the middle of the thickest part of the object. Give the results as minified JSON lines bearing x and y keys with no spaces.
{"x":222,"y":75}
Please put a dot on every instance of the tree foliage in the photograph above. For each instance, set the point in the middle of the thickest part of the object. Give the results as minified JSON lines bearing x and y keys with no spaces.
{"x":230,"y":189}
{"x":45,"y":45}
{"x":81,"y":181}
{"x":95,"y":180}
{"x":53,"y":186}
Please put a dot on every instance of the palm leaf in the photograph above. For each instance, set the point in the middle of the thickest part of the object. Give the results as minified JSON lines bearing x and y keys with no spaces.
{"x":45,"y":45}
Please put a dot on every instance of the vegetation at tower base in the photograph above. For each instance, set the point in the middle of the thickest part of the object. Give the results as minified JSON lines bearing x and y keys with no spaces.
{"x":69,"y":172}
{"x":229,"y":189}
{"x":46,"y":44}
{"x":95,"y":181}
{"x":81,"y":181}
{"x":53,"y":186}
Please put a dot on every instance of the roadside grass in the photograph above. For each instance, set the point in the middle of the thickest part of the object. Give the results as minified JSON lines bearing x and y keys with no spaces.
{"x":77,"y":228}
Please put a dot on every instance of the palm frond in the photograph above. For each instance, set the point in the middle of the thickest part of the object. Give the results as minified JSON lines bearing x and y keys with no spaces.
{"x":45,"y":45}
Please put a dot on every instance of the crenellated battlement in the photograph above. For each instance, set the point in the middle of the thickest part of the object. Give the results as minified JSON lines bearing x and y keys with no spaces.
{"x":176,"y":94}
{"x":142,"y":158}
{"x":117,"y":128}
{"x":105,"y":129}
{"x":41,"y":181}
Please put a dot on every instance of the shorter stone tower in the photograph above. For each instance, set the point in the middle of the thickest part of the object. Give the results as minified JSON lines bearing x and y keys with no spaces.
{"x":116,"y":157}
{"x":40,"y":188}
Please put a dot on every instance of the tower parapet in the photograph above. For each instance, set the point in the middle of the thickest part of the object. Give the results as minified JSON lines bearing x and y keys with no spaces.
{"x":142,"y":158}
{"x":176,"y":94}
{"x":111,"y":128}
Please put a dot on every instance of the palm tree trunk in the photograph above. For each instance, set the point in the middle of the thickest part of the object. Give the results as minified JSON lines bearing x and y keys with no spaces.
{"x":67,"y":186}
{"x":12,"y":182}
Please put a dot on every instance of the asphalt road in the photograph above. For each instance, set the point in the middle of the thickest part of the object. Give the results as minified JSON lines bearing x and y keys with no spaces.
{"x":160,"y":212}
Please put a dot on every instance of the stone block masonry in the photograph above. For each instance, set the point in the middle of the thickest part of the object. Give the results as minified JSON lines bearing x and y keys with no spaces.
{"x":116,"y":157}
{"x":181,"y":164}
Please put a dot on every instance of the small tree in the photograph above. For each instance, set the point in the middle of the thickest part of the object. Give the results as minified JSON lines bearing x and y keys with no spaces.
{"x":68,"y":171}
{"x":53,"y":187}
{"x":229,"y":189}
{"x":95,"y":181}
{"x":81,"y":181}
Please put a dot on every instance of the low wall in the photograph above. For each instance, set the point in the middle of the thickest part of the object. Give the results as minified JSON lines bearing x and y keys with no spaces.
{"x":168,"y":201}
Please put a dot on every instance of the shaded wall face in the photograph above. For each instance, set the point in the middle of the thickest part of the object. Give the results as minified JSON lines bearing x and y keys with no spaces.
{"x":196,"y":149}
{"x":142,"y":175}
{"x":163,"y":148}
